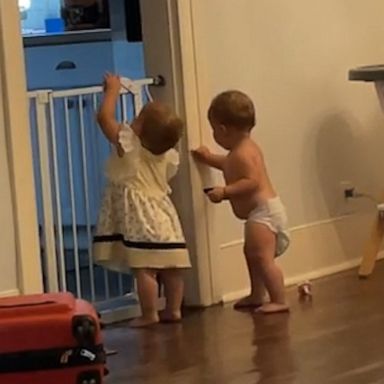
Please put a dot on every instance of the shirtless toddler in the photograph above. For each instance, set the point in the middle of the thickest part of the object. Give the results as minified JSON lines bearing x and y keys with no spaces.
{"x":252,"y":197}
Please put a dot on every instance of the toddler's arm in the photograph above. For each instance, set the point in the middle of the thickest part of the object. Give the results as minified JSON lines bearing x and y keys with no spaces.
{"x":205,"y":156}
{"x":238,"y":188}
{"x":106,"y":115}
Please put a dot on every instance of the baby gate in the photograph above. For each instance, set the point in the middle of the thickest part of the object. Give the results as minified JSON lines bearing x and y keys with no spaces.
{"x":69,"y":152}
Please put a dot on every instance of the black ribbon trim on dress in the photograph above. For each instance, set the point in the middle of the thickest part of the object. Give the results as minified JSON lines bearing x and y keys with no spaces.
{"x":50,"y":359}
{"x":137,"y":244}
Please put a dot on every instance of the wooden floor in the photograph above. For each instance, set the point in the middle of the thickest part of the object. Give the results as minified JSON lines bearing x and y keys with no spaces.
{"x":338,"y":338}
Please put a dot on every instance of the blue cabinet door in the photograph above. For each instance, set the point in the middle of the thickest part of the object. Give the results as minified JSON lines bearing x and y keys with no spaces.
{"x":67,"y":66}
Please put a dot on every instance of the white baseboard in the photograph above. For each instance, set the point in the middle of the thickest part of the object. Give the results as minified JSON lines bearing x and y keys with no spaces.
{"x":327,"y":271}
{"x":12,"y":292}
{"x":323,"y":272}
{"x":126,"y":312}
{"x":233,"y":296}
{"x":317,"y":249}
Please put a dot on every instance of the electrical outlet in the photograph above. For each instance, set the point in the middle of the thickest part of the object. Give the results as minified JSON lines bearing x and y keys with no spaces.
{"x":347,"y":189}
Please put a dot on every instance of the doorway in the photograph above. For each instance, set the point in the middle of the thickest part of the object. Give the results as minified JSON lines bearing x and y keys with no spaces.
{"x":163,"y":57}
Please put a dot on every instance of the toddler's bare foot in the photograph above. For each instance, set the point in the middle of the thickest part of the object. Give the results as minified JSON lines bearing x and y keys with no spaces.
{"x":269,"y":308}
{"x":248,"y":302}
{"x":170,"y":316}
{"x":142,"y":322}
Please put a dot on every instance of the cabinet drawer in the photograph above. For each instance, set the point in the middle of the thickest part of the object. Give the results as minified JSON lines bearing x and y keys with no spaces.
{"x":67,"y":66}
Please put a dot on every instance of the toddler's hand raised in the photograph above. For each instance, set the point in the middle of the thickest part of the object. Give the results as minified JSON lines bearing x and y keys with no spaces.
{"x":112,"y":82}
{"x":216,"y":195}
{"x":201,"y":154}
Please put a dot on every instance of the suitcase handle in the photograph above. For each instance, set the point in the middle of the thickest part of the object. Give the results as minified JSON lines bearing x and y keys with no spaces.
{"x":53,"y":304}
{"x":26,"y":305}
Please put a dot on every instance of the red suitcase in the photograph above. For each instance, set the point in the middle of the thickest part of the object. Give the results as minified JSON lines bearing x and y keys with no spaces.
{"x":50,"y":339}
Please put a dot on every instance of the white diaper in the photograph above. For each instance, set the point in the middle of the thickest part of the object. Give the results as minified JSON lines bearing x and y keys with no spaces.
{"x":273,"y":215}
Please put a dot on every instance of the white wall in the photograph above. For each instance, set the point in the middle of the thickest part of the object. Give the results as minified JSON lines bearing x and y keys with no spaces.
{"x":316,"y":128}
{"x":8,"y":278}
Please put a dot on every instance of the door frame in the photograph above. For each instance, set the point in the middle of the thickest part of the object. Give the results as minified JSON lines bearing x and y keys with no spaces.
{"x":170,"y":51}
{"x":16,"y":118}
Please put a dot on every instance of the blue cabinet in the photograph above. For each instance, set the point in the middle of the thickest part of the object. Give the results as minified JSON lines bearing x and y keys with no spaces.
{"x":81,"y":65}
{"x":67,"y":65}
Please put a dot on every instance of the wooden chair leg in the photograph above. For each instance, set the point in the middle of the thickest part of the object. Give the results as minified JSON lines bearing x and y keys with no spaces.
{"x":372,"y":248}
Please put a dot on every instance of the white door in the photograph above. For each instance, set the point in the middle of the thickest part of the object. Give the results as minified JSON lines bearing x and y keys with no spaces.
{"x":226,"y":268}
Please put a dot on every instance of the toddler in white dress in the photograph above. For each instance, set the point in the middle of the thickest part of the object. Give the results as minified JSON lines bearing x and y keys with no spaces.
{"x":138,"y":227}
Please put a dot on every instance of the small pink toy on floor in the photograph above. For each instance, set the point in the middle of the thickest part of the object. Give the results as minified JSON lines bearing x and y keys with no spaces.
{"x":305,"y":290}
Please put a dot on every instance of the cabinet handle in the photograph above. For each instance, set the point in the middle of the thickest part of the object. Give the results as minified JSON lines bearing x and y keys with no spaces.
{"x":64,"y":65}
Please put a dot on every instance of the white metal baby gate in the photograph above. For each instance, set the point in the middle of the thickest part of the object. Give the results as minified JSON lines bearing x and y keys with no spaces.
{"x":69,"y":152}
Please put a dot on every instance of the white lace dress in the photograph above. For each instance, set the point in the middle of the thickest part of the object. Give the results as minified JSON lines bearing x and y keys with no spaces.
{"x":138,"y":225}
